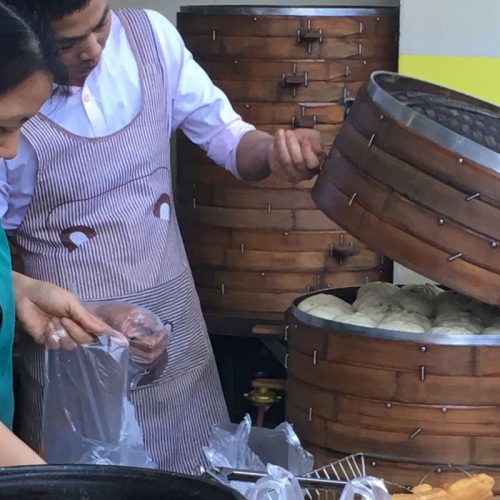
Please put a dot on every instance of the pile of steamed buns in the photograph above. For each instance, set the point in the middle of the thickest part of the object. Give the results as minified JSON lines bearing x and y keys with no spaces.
{"x":411,"y":308}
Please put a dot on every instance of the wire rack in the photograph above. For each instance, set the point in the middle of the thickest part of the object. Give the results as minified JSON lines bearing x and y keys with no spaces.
{"x":345,"y":469}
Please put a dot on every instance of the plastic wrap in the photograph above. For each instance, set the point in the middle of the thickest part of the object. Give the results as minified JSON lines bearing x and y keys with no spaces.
{"x":88,"y":418}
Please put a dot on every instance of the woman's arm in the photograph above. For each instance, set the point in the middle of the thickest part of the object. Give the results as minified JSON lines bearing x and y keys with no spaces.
{"x":45,"y":310}
{"x":14,"y":452}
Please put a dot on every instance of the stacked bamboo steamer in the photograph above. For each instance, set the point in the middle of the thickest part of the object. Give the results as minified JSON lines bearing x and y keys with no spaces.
{"x":254,"y":247}
{"x":414,"y":172}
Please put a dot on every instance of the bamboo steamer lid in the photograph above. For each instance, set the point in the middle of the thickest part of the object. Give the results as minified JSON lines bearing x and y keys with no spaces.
{"x":415,"y":173}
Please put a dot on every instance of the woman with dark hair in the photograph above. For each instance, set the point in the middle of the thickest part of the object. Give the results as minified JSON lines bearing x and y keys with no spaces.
{"x":43,"y":309}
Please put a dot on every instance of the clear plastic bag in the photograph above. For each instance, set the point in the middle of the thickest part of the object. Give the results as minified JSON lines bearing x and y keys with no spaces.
{"x":88,"y":418}
{"x":147,"y":335}
{"x":279,"y":484}
{"x":243,"y":447}
{"x":366,"y":488}
{"x":228,"y":448}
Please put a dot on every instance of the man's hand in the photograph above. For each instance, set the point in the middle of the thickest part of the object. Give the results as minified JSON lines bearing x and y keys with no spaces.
{"x":292,"y":155}
{"x":295,"y":155}
{"x":147,"y":335}
{"x":55,"y":317}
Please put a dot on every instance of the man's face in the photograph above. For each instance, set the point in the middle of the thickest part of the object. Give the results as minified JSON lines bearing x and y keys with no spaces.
{"x":82,"y":36}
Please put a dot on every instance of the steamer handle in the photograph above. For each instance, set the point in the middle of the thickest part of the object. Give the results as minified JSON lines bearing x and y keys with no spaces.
{"x":347,"y":103}
{"x":310,"y":121}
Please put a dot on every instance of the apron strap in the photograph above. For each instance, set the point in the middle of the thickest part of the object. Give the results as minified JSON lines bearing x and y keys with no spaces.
{"x":141,"y":35}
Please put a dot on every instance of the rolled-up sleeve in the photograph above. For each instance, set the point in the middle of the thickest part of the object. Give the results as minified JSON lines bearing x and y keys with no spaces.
{"x":199,"y":108}
{"x":17,"y":185}
{"x":4,"y":190}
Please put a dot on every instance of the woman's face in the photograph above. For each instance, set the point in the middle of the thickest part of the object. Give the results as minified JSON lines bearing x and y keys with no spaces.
{"x":19,"y":105}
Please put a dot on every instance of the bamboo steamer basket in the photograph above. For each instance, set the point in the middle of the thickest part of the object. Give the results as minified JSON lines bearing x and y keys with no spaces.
{"x":254,"y":247}
{"x":411,"y":402}
{"x":414,"y":172}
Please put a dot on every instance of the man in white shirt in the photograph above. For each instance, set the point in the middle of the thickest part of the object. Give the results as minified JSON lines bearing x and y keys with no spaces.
{"x":89,"y":199}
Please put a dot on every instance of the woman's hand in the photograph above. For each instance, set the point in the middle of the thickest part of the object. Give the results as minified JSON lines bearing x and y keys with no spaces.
{"x":55,"y":317}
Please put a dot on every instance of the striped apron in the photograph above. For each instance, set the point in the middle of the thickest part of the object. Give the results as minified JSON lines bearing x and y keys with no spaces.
{"x":103,"y":221}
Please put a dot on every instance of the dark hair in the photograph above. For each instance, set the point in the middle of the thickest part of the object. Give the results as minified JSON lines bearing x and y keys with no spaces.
{"x":21,"y":54}
{"x":34,"y":14}
{"x":55,"y":9}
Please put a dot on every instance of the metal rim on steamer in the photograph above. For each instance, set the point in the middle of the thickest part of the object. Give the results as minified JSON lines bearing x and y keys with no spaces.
{"x":448,"y":139}
{"x":379,"y":333}
{"x":264,"y":10}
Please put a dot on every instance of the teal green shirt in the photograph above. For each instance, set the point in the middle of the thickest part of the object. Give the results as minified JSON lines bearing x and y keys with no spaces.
{"x":6,"y":333}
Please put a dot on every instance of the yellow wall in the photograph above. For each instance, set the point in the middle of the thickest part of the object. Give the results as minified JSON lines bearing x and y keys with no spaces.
{"x":454,"y":43}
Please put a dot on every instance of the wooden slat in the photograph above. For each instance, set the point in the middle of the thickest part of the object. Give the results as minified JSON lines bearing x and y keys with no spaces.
{"x":192,"y":171}
{"x":298,"y":261}
{"x":203,"y":46}
{"x":429,"y":448}
{"x":280,"y":25}
{"x":378,"y":383}
{"x":354,"y":380}
{"x":313,"y":220}
{"x":268,"y":261}
{"x":486,"y":450}
{"x":299,"y":282}
{"x":295,"y":241}
{"x":400,"y":356}
{"x":313,"y":431}
{"x":304,"y":397}
{"x":403,"y":247}
{"x":245,"y":197}
{"x":418,"y":220}
{"x":444,"y":390}
{"x":204,"y":236}
{"x":317,"y":70}
{"x":273,"y":241}
{"x":375,"y":415}
{"x":447,"y":201}
{"x":242,"y":218}
{"x":250,"y":302}
{"x":245,"y":218}
{"x":487,"y":361}
{"x":425,"y":414}
{"x":282,"y":113}
{"x":274,"y":91}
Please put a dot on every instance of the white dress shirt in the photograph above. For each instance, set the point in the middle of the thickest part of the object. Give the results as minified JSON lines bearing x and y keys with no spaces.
{"x":111,"y":98}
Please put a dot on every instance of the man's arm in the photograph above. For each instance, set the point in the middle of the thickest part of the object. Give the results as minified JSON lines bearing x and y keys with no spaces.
{"x":293,"y":155}
{"x":14,"y":452}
